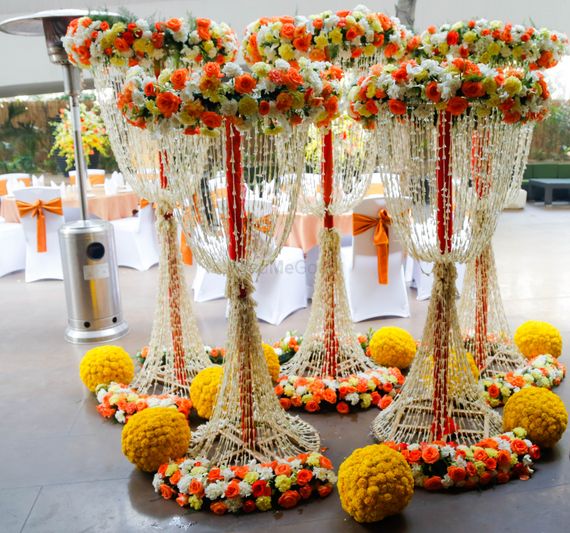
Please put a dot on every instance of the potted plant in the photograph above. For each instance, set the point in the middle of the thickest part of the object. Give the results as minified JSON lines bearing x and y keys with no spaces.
{"x":95,"y":139}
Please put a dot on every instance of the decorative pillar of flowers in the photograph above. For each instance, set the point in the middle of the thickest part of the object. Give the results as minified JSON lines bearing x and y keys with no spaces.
{"x":339,"y":164}
{"x":237,"y":201}
{"x":109,"y":47}
{"x":482,"y":316}
{"x":431,"y":118}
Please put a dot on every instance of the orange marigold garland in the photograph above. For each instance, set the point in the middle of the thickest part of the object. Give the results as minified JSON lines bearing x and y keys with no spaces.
{"x":280,"y":484}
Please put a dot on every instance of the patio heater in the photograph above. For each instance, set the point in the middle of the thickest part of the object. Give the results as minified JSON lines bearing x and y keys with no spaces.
{"x":87,"y":246}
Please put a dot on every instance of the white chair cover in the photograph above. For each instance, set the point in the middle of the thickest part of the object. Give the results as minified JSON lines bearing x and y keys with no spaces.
{"x":366,"y":297}
{"x":137,"y":245}
{"x":12,"y":248}
{"x":45,"y":265}
{"x":280,"y":289}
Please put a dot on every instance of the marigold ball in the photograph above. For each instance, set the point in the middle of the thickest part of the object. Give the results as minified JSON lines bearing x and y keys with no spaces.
{"x":392,"y":346}
{"x":540,"y":412}
{"x":374,"y":482}
{"x":537,"y":338}
{"x":154,"y":436}
{"x":272,"y":360}
{"x":204,"y":389}
{"x":104,"y":364}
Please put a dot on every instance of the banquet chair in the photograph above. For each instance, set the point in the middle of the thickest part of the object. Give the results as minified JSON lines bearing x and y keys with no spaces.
{"x":41,"y":265}
{"x":368,"y":298}
{"x":208,"y":285}
{"x":96,"y":176}
{"x":312,"y":259}
{"x":137,"y":245}
{"x":5,"y":178}
{"x":12,"y":247}
{"x":281,"y":288}
{"x":422,"y":278}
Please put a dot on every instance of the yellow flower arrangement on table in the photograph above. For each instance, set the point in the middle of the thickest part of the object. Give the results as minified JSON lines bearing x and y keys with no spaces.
{"x":392,"y":346}
{"x":93,"y":133}
{"x":154,"y":436}
{"x":537,"y":338}
{"x":272,"y":361}
{"x":375,"y":482}
{"x":204,"y":390}
{"x":540,"y":412}
{"x":105,"y":364}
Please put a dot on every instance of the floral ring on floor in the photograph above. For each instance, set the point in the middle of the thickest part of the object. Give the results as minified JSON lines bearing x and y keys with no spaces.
{"x":543,"y":371}
{"x":374,"y":387}
{"x":446,"y":465}
{"x":280,"y":484}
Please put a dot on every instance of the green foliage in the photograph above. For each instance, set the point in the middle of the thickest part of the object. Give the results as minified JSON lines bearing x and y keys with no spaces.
{"x":551,"y":139}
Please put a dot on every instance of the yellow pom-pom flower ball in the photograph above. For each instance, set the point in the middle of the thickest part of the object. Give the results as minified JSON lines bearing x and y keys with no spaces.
{"x":374,"y":482}
{"x":104,"y":364}
{"x":540,"y":412}
{"x":537,"y":338}
{"x":204,"y":389}
{"x":272,"y":361}
{"x":154,"y":436}
{"x":392,"y":346}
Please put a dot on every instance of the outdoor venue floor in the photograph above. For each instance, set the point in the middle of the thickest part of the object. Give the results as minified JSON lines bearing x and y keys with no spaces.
{"x":64,"y":470}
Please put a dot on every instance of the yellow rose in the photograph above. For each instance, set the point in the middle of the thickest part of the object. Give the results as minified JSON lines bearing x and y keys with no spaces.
{"x":493,"y":49}
{"x":321,"y":41}
{"x":369,"y":50}
{"x":247,"y":105}
{"x":469,"y":37}
{"x":490,"y":85}
{"x":286,"y":52}
{"x":336,"y":36}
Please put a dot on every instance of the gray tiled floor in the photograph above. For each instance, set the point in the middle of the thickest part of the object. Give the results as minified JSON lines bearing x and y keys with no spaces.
{"x":63,"y":469}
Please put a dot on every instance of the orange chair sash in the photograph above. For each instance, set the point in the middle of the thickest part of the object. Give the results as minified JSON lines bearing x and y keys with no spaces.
{"x":37,"y":210}
{"x":185,"y":250}
{"x":381,"y":225}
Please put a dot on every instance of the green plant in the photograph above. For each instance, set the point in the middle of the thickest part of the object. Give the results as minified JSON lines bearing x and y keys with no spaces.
{"x":551,"y":139}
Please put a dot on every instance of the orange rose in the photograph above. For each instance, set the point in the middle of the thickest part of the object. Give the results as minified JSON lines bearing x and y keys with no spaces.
{"x":211,"y":119}
{"x":284,"y":101}
{"x":289,"y":499}
{"x":282,"y":469}
{"x":329,"y":396}
{"x":397,"y":107}
{"x":305,"y":491}
{"x":175,"y":478}
{"x":302,"y":43}
{"x":385,"y":401}
{"x":218,"y":508}
{"x":493,"y":390}
{"x":372,"y":107}
{"x":342,"y":408}
{"x":414,"y":456}
{"x":202,"y":26}
{"x":304,"y":476}
{"x":480,"y":455}
{"x":293,"y":78}
{"x":312,"y":406}
{"x":179,"y":78}
{"x":260,"y":488}
{"x":471,"y":469}
{"x":391,"y":50}
{"x":325,"y":462}
{"x":196,"y":488}
{"x":166,"y":491}
{"x":121,"y":45}
{"x":504,"y":458}
{"x":433,"y":483}
{"x":485,"y":478}
{"x":212,"y":70}
{"x":317,"y":54}
{"x":214,"y":474}
{"x":285,"y":403}
{"x":249,"y":506}
{"x":503,"y":477}
{"x":245,"y":84}
{"x":490,"y":463}
{"x":324,"y":490}
{"x":174,"y":25}
{"x":241,"y":471}
{"x":264,"y":107}
{"x":288,"y":31}
{"x":232,"y":491}
{"x":456,"y":473}
{"x":457,"y":105}
{"x":432,"y":92}
{"x":519,"y":447}
{"x":182,"y":499}
{"x":168,"y":103}
{"x":473,"y":89}
{"x":430,"y":454}
{"x":511,"y":117}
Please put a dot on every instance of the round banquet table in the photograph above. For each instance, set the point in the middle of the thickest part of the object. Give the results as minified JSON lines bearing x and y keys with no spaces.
{"x":106,"y":207}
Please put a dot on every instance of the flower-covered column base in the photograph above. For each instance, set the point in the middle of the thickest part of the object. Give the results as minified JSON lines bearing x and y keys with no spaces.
{"x":483,"y":320}
{"x":248,"y":423}
{"x":440,"y":398}
{"x":175,"y":353}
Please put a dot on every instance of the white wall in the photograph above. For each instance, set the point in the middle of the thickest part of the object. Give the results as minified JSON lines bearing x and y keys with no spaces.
{"x":25,"y":68}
